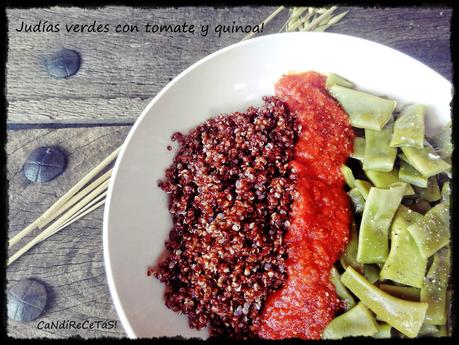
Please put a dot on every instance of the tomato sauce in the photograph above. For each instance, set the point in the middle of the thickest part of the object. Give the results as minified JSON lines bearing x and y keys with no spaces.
{"x":321,"y":215}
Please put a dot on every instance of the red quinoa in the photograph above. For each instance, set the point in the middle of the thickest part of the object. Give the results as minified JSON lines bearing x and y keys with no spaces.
{"x":230,"y":191}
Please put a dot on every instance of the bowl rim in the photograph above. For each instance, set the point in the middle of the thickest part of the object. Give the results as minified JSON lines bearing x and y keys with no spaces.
{"x":107,"y":262}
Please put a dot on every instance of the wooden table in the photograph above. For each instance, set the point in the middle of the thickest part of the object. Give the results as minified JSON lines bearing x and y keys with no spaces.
{"x":90,"y":114}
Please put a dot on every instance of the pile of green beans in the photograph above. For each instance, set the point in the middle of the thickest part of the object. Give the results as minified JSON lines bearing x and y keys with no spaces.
{"x":394,"y":275}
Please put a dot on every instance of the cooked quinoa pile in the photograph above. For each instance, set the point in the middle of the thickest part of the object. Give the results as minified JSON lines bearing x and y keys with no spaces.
{"x":230,"y":191}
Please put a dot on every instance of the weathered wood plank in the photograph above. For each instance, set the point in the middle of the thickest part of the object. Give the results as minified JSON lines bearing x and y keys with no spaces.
{"x":119,"y":76}
{"x":70,"y":263}
{"x":130,"y":67}
{"x":422,"y":33}
{"x":88,"y":110}
{"x":121,"y":72}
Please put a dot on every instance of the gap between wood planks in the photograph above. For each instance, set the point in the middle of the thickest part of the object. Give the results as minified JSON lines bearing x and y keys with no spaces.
{"x":74,"y":124}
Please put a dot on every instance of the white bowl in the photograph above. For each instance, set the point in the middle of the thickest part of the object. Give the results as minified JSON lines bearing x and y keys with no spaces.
{"x":136,"y":220}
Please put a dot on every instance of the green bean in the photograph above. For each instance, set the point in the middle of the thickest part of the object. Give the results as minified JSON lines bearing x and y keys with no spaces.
{"x":357,"y":200}
{"x":335,"y":79}
{"x":349,"y":255}
{"x":405,"y":316}
{"x":348,"y":176}
{"x":402,"y":156}
{"x":410,"y":175}
{"x":428,"y":330}
{"x":409,"y":127}
{"x":409,"y":190}
{"x":384,"y":331}
{"x":379,"y":155}
{"x":404,"y":264}
{"x":434,"y":289}
{"x":382,"y":179}
{"x":371,"y":272}
{"x":442,"y":331}
{"x":365,"y":110}
{"x":363,"y":187}
{"x":411,"y":170}
{"x":341,"y":290}
{"x":379,"y":210}
{"x":356,"y":322}
{"x":443,"y":144}
{"x":432,"y":231}
{"x":425,"y":160}
{"x":432,"y":192}
{"x":359,"y":148}
{"x":404,"y":292}
{"x":445,"y":191}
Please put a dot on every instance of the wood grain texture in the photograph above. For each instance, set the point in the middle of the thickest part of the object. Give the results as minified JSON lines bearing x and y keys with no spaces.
{"x":422,"y":33}
{"x":121,"y":72}
{"x":70,"y":263}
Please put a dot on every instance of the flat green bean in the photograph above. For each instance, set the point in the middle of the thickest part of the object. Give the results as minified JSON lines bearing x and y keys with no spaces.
{"x":404,"y":292}
{"x":435,"y":285}
{"x":379,"y":210}
{"x":358,"y":321}
{"x":365,"y":110}
{"x":402,"y":156}
{"x":404,"y":264}
{"x":443,"y":144}
{"x":348,"y":176}
{"x":432,"y":192}
{"x":363,"y":187}
{"x":384,"y":331}
{"x":445,"y":191}
{"x":442,"y":331}
{"x":335,"y":79}
{"x":409,"y":127}
{"x":405,"y":316}
{"x":358,"y":151}
{"x":349,"y":255}
{"x":357,"y":200}
{"x":409,"y":190}
{"x":428,"y":330}
{"x":432,"y":231}
{"x":371,"y":272}
{"x":410,"y":175}
{"x":382,"y":179}
{"x":341,"y":290}
{"x":425,"y":160}
{"x":379,"y":155}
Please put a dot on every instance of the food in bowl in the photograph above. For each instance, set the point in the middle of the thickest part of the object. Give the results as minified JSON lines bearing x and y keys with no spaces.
{"x":230,"y":189}
{"x":265,"y":213}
